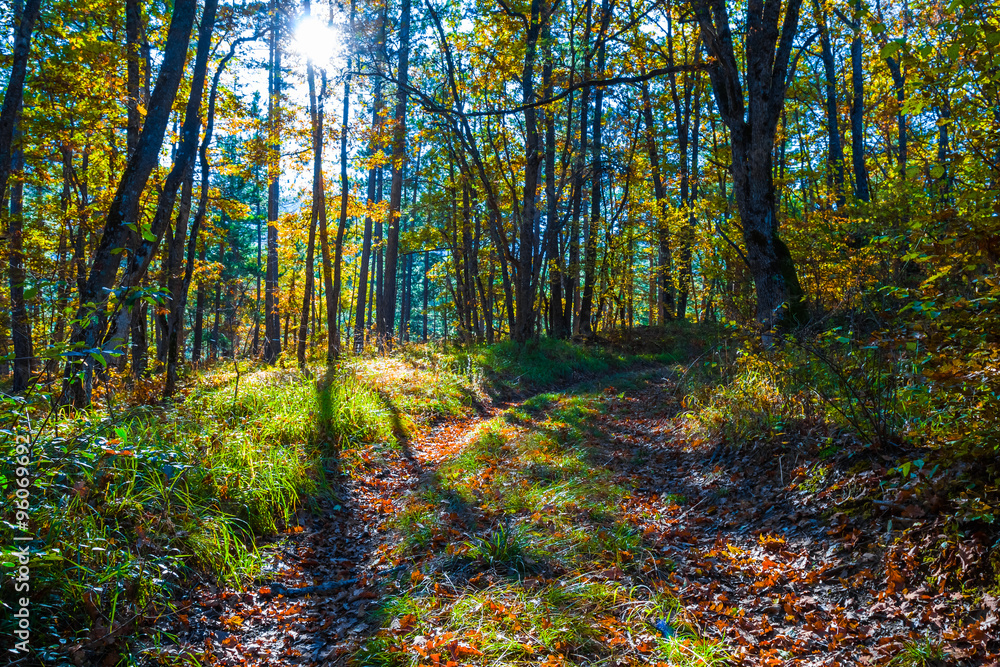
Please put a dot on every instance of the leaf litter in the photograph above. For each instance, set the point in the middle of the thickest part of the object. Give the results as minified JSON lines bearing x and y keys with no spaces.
{"x":448,"y":551}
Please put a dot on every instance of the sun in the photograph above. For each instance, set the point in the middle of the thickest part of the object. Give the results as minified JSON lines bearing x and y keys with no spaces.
{"x":317,"y":41}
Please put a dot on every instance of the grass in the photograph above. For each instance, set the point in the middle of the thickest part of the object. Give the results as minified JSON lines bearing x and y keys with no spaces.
{"x":507,"y":369}
{"x":923,"y":653}
{"x":131,"y":501}
{"x":521,"y":555}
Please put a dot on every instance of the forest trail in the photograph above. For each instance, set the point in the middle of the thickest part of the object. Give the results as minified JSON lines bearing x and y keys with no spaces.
{"x":339,"y":546}
{"x":701,"y":553}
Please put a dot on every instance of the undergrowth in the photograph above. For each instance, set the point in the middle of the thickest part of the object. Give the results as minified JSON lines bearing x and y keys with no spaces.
{"x":130,"y":502}
{"x":522,"y":556}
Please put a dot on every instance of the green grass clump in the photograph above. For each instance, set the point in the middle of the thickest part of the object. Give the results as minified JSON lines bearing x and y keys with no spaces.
{"x":922,"y":653}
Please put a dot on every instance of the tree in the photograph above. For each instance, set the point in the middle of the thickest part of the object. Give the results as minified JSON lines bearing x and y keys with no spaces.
{"x":387,"y":316}
{"x":272,"y":317}
{"x":125,"y":205}
{"x":751,"y":109}
{"x":11,"y":110}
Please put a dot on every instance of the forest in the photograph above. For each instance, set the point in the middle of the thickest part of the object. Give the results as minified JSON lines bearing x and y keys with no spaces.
{"x":526,"y":332}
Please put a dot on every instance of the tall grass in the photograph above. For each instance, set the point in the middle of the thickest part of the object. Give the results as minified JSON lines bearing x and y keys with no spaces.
{"x":125,"y":507}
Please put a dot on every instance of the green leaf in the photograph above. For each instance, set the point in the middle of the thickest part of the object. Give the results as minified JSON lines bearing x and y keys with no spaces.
{"x":937,"y":171}
{"x":30,"y":293}
{"x":890,"y":49}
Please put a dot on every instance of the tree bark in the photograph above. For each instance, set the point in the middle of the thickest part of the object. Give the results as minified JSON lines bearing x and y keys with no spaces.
{"x":125,"y":205}
{"x":835,"y":148}
{"x":663,"y":284}
{"x":333,"y":301}
{"x":752,"y":133}
{"x":590,"y":253}
{"x":272,"y":318}
{"x":861,"y":187}
{"x":387,"y":321}
{"x":181,"y":286}
{"x":366,"y":246}
{"x":148,"y":241}
{"x":12,"y":160}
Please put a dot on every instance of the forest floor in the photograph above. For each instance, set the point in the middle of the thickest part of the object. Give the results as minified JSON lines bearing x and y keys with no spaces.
{"x":600,"y":525}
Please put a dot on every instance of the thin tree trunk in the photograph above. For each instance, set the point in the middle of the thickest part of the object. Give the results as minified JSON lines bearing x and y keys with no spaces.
{"x":272,"y":317}
{"x":861,"y":187}
{"x":386,"y":323}
{"x":199,"y":314}
{"x":835,"y":149}
{"x":333,"y":303}
{"x":572,"y":284}
{"x":663,"y":285}
{"x":307,"y":289}
{"x":590,"y":255}
{"x":12,"y":160}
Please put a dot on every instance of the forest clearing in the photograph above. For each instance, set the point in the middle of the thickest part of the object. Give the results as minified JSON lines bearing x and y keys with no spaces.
{"x":527,"y":332}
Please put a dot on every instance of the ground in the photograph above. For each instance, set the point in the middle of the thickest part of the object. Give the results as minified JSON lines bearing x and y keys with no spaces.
{"x":599,"y":525}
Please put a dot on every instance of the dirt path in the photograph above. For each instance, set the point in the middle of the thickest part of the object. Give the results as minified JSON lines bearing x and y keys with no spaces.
{"x":785,"y":571}
{"x":320,"y":582}
{"x":776,"y":567}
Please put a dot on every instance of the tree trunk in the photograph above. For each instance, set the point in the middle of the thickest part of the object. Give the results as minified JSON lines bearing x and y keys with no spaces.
{"x":307,"y":289}
{"x":861,"y":188}
{"x":12,"y":160}
{"x":590,"y":254}
{"x":181,"y":286}
{"x":524,"y":318}
{"x":779,"y":295}
{"x":133,"y":23}
{"x":663,"y":285}
{"x":272,"y":318}
{"x":835,"y":149}
{"x":386,"y":322}
{"x":333,"y":304}
{"x":427,"y":269}
{"x":199,"y":314}
{"x":130,"y":307}
{"x":366,"y":245}
{"x":124,"y":208}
